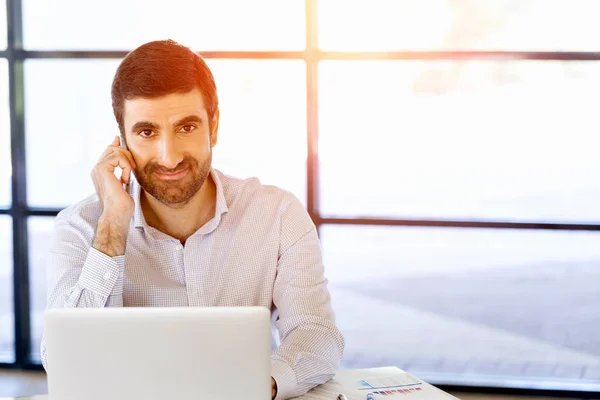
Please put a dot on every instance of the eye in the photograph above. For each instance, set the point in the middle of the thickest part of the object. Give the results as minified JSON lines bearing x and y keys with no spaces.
{"x":188,"y":128}
{"x":146,"y":133}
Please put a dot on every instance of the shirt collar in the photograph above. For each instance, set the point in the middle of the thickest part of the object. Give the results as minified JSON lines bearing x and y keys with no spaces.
{"x":220,"y":208}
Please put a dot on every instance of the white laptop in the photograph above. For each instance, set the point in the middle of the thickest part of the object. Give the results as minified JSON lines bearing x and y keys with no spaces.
{"x":158,"y":353}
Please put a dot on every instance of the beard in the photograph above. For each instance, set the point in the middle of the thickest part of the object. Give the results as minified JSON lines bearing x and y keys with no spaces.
{"x":177,"y":193}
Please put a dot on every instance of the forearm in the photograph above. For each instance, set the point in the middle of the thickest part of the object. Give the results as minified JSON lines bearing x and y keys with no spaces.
{"x":111,"y":236}
{"x":101,"y":281}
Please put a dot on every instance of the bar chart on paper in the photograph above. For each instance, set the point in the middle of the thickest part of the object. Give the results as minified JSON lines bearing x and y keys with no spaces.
{"x":376,"y":384}
{"x":395,"y":385}
{"x":396,"y":392}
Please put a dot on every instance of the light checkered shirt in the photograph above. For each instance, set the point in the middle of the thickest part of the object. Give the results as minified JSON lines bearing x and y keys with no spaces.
{"x":260,"y":249}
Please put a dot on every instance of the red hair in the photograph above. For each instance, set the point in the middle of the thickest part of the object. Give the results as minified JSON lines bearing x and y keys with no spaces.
{"x":159,"y":68}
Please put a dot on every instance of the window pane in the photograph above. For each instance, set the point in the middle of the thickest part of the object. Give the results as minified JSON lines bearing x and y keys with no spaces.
{"x":7,"y":326}
{"x":262,"y":129}
{"x":381,"y":25}
{"x":5,"y":158}
{"x":486,"y":303}
{"x":2,"y":24}
{"x":69,"y":122}
{"x":203,"y":25}
{"x":460,"y":140}
{"x":40,"y":230}
{"x":267,"y":97}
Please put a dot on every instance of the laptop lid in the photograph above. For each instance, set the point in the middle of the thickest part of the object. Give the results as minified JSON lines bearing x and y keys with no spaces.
{"x":158,"y":353}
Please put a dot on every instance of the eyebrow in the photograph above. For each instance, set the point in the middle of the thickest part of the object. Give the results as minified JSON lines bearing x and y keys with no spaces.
{"x":143,"y":125}
{"x":188,"y":119}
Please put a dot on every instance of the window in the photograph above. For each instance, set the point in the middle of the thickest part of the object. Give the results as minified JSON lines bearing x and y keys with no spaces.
{"x":262,"y":129}
{"x":2,"y":24}
{"x":7,"y":333}
{"x":464,"y":140}
{"x":480,"y":302}
{"x":5,"y":159}
{"x":79,"y":121}
{"x":487,"y":25}
{"x":124,"y":25}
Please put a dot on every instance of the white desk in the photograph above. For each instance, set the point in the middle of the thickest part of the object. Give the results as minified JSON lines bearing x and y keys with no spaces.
{"x":343,"y":381}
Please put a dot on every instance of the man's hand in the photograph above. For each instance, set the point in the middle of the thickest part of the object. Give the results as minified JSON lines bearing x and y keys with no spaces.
{"x":117,"y":204}
{"x":273,"y":388}
{"x":113,"y":197}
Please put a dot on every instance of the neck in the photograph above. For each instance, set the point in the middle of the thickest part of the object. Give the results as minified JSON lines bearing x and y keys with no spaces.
{"x":181,"y":222}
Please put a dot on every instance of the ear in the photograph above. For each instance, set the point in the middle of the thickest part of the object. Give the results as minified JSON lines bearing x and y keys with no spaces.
{"x":214,"y":130}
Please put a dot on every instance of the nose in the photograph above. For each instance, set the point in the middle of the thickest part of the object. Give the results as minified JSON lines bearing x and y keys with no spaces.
{"x":170,"y":155}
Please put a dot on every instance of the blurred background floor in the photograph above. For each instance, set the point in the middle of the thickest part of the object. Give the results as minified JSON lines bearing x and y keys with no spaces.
{"x":22,"y":383}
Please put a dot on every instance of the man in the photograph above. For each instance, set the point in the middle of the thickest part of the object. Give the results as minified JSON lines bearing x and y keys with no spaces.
{"x":185,"y":234}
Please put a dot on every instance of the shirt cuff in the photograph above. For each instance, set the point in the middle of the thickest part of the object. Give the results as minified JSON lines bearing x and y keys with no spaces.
{"x":102,"y":274}
{"x":285,"y":377}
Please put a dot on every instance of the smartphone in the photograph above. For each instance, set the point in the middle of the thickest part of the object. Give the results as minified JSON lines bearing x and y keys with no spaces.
{"x":123,"y":145}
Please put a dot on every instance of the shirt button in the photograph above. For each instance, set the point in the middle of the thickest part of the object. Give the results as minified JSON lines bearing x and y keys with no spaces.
{"x":107,"y":276}
{"x":179,"y":247}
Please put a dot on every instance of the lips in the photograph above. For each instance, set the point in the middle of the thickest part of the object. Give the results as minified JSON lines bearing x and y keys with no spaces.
{"x":172,"y":175}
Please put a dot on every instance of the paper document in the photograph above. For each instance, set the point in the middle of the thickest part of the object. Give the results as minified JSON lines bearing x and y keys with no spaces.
{"x":387,"y":382}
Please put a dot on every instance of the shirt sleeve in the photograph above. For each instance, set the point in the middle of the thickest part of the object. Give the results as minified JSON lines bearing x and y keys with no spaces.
{"x":79,"y":275}
{"x":311,"y":345}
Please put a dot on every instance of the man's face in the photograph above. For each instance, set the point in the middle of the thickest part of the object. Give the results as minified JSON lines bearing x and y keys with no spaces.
{"x":171,"y":143}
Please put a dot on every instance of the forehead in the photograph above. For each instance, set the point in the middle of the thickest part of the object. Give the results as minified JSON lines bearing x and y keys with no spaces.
{"x":171,"y":106}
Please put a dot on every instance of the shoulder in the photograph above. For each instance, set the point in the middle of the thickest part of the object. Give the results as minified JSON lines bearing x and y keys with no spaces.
{"x":267,"y":208}
{"x":248,"y":193}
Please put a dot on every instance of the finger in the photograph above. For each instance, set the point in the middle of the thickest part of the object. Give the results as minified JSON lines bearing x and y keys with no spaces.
{"x":117,"y":159}
{"x":121,"y":151}
{"x":116,"y":143}
{"x":129,"y":157}
{"x":125,"y":175}
{"x":106,"y":152}
{"x":109,"y":149}
{"x":127,"y":154}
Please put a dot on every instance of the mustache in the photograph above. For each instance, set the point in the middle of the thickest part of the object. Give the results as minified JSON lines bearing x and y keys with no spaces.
{"x":187,"y":162}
